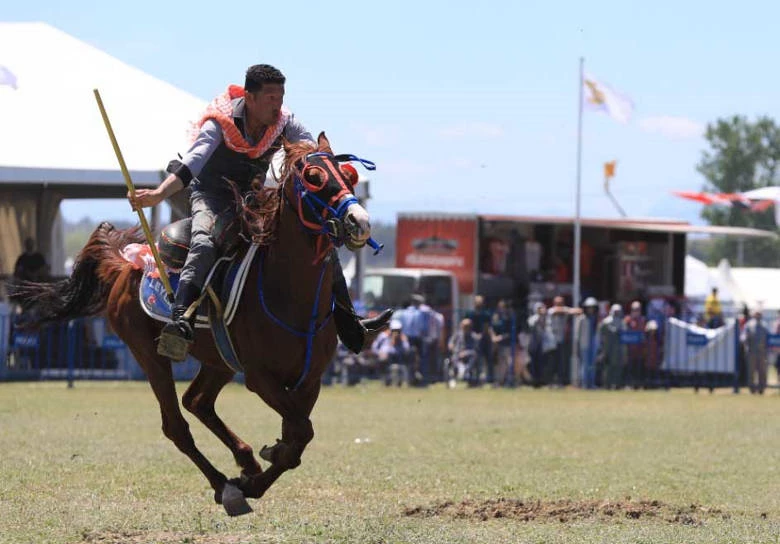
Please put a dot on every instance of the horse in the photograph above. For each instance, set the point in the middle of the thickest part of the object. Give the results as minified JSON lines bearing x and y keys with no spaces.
{"x":282,"y":351}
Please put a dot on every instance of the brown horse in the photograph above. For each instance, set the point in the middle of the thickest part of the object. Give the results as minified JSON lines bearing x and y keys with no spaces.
{"x":315,"y":192}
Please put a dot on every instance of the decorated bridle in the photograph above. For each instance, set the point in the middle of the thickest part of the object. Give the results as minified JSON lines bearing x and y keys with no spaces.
{"x":310,"y":176}
{"x":329,"y":225}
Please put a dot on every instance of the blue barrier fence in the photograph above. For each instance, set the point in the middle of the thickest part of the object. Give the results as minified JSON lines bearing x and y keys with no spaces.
{"x":684,"y":355}
{"x":668,"y":353}
{"x":80,"y":349}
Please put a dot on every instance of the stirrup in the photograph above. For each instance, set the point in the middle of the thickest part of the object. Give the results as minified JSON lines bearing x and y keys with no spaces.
{"x":173,"y":346}
{"x":173,"y":342}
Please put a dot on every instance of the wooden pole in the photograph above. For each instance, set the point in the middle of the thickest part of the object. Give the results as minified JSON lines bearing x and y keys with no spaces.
{"x":131,"y":188}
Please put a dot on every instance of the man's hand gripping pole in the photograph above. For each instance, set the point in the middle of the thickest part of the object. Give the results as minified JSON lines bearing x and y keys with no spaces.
{"x":131,"y":188}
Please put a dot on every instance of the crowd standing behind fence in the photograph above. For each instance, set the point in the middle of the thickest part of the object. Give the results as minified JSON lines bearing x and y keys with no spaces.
{"x":554,"y":347}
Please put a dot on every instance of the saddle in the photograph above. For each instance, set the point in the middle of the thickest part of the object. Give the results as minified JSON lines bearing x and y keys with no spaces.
{"x":222,"y":291}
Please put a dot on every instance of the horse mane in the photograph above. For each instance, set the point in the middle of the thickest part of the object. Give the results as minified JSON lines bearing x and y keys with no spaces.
{"x":260,"y":214}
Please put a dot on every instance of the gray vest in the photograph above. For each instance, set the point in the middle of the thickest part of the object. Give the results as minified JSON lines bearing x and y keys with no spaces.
{"x":226,"y":164}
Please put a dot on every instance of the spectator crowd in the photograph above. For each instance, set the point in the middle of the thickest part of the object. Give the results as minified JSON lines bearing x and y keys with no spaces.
{"x":593,"y":346}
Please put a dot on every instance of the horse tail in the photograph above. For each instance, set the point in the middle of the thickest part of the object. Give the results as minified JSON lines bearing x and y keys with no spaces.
{"x":86,"y":291}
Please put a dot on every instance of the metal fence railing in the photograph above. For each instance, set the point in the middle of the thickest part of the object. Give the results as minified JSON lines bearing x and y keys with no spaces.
{"x":672,"y":353}
{"x":660,"y":354}
{"x":79,"y":349}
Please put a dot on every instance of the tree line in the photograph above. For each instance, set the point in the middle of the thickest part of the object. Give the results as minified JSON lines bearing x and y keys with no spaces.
{"x":741,"y":155}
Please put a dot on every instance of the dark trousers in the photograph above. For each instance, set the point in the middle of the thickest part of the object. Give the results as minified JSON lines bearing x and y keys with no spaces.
{"x":422,"y":364}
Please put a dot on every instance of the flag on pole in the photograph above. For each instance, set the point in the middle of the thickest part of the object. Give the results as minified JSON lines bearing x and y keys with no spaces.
{"x":609,"y":169}
{"x":601,"y":97}
{"x":7,"y":77}
{"x":609,"y":173}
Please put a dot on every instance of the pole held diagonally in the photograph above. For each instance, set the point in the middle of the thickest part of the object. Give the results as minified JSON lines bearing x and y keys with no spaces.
{"x":131,"y":188}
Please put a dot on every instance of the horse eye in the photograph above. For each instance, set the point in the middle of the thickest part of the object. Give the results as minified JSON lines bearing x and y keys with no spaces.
{"x":314,"y":175}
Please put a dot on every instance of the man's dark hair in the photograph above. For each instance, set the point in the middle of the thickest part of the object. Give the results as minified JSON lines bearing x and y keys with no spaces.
{"x":259,"y":74}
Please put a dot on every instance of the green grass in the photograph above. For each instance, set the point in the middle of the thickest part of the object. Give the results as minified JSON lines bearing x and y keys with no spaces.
{"x":91,"y":465}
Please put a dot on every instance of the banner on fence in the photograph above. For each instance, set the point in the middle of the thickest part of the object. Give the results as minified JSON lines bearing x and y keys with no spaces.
{"x":689,"y":348}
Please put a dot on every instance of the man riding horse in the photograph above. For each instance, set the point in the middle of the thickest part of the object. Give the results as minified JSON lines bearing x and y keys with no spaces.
{"x":237,"y":137}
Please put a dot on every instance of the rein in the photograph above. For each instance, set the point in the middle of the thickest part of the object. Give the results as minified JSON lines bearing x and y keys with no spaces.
{"x":313,"y":328}
{"x":329,"y":232}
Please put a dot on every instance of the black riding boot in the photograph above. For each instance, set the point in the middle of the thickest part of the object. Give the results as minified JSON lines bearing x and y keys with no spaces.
{"x":177,"y":336}
{"x":355,"y":333}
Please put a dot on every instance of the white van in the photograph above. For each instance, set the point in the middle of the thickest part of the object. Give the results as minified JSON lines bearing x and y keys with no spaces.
{"x":393,"y":288}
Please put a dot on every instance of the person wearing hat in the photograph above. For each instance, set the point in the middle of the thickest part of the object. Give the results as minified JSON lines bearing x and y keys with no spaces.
{"x":393,"y":351}
{"x":612,"y":354}
{"x":585,"y":345}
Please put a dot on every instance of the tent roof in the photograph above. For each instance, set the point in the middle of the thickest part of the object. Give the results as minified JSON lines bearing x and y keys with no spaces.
{"x":760,"y":286}
{"x":57,"y":134}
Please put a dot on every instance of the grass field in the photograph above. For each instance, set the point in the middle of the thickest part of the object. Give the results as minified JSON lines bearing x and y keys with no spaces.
{"x":90,"y":465}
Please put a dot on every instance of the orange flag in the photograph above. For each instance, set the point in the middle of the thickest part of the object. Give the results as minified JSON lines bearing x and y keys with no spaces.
{"x":609,"y":169}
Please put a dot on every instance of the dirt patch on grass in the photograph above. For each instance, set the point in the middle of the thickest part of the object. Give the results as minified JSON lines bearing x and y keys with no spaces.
{"x":566,"y":511}
{"x":160,"y":537}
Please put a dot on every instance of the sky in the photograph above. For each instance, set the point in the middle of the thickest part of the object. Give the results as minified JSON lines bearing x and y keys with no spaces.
{"x":467,"y":106}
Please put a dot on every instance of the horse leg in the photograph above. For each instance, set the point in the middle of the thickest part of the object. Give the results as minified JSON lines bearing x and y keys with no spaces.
{"x":174,"y":426}
{"x":199,"y":399}
{"x":297,"y":430}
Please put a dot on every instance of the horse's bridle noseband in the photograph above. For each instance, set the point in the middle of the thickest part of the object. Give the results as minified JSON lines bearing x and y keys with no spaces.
{"x":328,"y":220}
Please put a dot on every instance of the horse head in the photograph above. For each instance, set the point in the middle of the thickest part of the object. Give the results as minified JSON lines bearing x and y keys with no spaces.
{"x":320,"y":187}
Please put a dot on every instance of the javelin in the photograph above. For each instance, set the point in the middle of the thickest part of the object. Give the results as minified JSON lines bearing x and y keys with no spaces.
{"x":131,"y":188}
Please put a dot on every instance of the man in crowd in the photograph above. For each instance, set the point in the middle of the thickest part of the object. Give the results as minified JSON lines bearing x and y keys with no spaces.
{"x":585,"y":345}
{"x":713,"y":313}
{"x":464,"y":350}
{"x":480,"y":318}
{"x":394,"y":353}
{"x":31,"y":264}
{"x":635,"y":321}
{"x":612,"y":355}
{"x":754,"y":338}
{"x":560,"y":321}
{"x":502,"y":326}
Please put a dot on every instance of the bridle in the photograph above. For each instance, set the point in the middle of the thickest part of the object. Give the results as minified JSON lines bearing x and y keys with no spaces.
{"x":327,"y":220}
{"x":330,"y":227}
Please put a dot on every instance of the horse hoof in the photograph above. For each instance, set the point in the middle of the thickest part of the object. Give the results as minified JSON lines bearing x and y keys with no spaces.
{"x":267,"y":452}
{"x":234,"y":502}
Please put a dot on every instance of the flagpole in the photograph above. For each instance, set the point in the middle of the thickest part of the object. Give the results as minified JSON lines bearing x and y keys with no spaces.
{"x":577,"y":226}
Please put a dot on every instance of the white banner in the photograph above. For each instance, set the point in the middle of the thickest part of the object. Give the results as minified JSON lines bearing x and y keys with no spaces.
{"x":689,"y":348}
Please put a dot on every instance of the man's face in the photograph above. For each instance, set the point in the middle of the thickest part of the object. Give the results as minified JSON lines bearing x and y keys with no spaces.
{"x":265,"y":105}
{"x":558,"y":301}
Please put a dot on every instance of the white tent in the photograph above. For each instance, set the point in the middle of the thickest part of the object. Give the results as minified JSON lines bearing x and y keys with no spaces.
{"x":760,"y":287}
{"x":50,"y":120}
{"x":698,"y":279}
{"x":755,"y":287}
{"x":53,"y":143}
{"x":728,"y":288}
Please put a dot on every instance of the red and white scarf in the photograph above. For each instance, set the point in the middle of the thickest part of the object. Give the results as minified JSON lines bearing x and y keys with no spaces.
{"x":221,"y":110}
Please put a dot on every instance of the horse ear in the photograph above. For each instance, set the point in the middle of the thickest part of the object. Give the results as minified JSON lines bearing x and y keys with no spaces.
{"x":323,"y":144}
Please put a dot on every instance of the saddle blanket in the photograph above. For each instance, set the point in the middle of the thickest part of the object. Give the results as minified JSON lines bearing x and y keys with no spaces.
{"x":152,"y":291}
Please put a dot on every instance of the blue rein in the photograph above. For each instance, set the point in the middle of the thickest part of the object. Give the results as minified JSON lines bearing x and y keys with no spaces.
{"x":317,"y":206}
{"x":313,"y":329}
